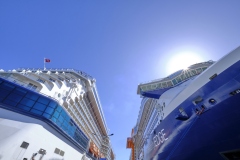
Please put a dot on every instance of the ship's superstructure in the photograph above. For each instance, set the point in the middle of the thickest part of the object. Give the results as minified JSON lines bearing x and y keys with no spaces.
{"x":51,"y":114}
{"x":188,"y":114}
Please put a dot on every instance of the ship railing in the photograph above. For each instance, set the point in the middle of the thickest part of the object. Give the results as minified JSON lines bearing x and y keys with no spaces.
{"x":79,"y":72}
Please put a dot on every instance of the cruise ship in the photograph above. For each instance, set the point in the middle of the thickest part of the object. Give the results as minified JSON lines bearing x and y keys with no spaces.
{"x":192,"y":114}
{"x":51,"y":114}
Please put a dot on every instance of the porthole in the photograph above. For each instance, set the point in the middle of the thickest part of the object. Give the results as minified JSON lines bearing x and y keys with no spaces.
{"x":212,"y":101}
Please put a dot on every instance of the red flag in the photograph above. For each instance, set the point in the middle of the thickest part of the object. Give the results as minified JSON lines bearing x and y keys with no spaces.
{"x":47,"y":60}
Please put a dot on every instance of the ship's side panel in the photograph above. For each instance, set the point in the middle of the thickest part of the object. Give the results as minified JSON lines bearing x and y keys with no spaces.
{"x":14,"y":135}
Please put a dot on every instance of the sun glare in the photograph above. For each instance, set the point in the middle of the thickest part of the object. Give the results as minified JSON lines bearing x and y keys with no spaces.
{"x":182,"y":61}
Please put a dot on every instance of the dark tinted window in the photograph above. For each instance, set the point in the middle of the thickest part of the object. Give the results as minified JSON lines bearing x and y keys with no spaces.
{"x":49,"y":110}
{"x":20,"y":91}
{"x":43,"y":100}
{"x":27,"y":102}
{"x":36,"y":111}
{"x":52,"y":104}
{"x":9,"y":102}
{"x":7,"y":86}
{"x":23,"y":107}
{"x":39,"y":106}
{"x":14,"y":97}
{"x":32,"y":96}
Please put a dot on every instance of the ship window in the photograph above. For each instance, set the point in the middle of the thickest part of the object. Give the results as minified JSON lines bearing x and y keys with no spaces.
{"x":20,"y":91}
{"x":40,"y":80}
{"x":62,"y":153}
{"x":178,"y":79}
{"x":8,"y":102}
{"x":24,"y":145}
{"x":43,"y":100}
{"x":199,"y":70}
{"x":36,"y":112}
{"x":183,"y":77}
{"x":32,"y":86}
{"x":57,"y":150}
{"x":47,"y":115}
{"x":52,"y":104}
{"x":174,"y":81}
{"x":14,"y":97}
{"x":169,"y":83}
{"x":49,"y":110}
{"x":23,"y":107}
{"x":56,"y":114}
{"x":7,"y":86}
{"x":51,"y":79}
{"x":59,"y":109}
{"x":32,"y":96}
{"x":27,"y":102}
{"x":193,"y":72}
{"x":164,"y":84}
{"x":4,"y":93}
{"x":39,"y":106}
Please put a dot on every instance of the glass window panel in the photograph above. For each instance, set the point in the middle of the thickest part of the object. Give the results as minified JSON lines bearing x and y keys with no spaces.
{"x":39,"y":106}
{"x":148,"y":87}
{"x":7,"y":86}
{"x":32,"y":96}
{"x":64,"y":114}
{"x":60,"y":118}
{"x":20,"y":91}
{"x":65,"y":123}
{"x":43,"y":100}
{"x":46,"y":115}
{"x":14,"y":97}
{"x":174,"y":81}
{"x":164,"y":85}
{"x":199,"y":70}
{"x":27,"y":102}
{"x":54,"y":119}
{"x":178,"y":79}
{"x":67,"y":118}
{"x":4,"y":93}
{"x":169,"y":83}
{"x":56,"y":114}
{"x":9,"y":102}
{"x":36,"y":111}
{"x":59,"y":108}
{"x":23,"y":107}
{"x":193,"y":72}
{"x":52,"y":104}
{"x":183,"y":77}
{"x":49,"y":110}
{"x":59,"y":123}
{"x":64,"y":128}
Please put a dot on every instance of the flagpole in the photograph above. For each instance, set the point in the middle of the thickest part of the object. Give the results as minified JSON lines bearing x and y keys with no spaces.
{"x":44,"y":64}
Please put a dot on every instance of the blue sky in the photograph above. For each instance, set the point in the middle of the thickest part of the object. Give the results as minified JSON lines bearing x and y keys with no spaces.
{"x":120,"y":43}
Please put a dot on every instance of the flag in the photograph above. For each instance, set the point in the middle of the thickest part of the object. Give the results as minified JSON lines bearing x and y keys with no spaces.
{"x":47,"y":60}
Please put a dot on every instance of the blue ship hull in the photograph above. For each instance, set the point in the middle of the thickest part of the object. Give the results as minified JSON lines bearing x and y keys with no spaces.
{"x":213,"y":134}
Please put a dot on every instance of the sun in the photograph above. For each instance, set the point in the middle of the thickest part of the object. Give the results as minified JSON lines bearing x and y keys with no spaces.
{"x":182,"y":61}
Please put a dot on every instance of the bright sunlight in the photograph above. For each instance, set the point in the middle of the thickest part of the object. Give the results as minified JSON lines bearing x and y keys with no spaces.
{"x":182,"y":61}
